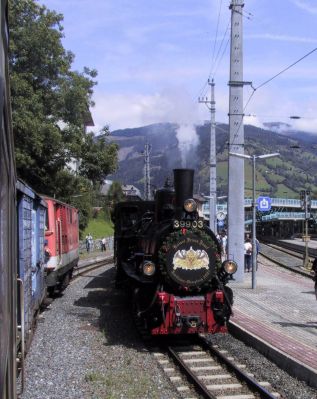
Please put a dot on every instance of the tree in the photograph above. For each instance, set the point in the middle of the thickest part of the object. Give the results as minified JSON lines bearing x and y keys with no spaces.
{"x":115,"y":195}
{"x":49,"y":104}
{"x":98,"y":149}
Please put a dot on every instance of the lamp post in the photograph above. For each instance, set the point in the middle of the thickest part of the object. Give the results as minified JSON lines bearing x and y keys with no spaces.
{"x":253,"y":158}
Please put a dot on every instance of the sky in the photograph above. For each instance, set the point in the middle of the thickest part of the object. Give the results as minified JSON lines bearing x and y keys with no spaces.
{"x":154,"y":59}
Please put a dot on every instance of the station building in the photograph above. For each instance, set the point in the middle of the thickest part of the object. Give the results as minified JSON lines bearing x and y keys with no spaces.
{"x":285,"y":219}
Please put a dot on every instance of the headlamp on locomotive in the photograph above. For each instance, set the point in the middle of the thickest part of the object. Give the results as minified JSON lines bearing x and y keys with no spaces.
{"x":172,"y":262}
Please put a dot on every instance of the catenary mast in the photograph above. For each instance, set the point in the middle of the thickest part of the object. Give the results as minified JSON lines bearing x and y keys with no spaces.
{"x":147,"y":181}
{"x":236,"y":142}
{"x":212,"y":158}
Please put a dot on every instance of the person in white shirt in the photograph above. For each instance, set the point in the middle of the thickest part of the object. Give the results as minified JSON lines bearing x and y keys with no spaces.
{"x":247,"y":255}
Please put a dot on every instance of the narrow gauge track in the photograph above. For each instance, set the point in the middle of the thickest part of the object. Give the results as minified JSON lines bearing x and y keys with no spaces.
{"x":295,"y":254}
{"x":291,"y":247}
{"x":84,"y":269}
{"x":284,"y":258}
{"x":203,"y":371}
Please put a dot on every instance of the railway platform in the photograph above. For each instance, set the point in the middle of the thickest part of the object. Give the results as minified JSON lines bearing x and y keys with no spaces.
{"x":279,"y":318}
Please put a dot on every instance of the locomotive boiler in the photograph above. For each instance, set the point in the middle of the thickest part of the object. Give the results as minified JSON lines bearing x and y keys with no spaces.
{"x":171,"y":261}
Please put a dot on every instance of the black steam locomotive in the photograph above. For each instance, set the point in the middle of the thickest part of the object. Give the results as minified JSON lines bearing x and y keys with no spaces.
{"x":172,"y":262}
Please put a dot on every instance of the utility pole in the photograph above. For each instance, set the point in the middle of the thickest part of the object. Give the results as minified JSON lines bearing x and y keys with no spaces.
{"x":147,"y":179}
{"x":211,"y":105}
{"x":236,"y":142}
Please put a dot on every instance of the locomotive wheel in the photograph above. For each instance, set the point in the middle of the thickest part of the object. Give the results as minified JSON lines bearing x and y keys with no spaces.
{"x":139,"y":321}
{"x":120,"y":276}
{"x":51,"y":290}
{"x":65,"y":282}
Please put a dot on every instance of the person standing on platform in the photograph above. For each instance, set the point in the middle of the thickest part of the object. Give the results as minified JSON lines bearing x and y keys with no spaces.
{"x":103,"y":244}
{"x":247,"y":255}
{"x":224,"y":242}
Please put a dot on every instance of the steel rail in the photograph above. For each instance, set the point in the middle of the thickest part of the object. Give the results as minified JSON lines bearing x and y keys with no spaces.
{"x":82,"y":270}
{"x":292,"y":252}
{"x":199,"y":386}
{"x":251,"y":382}
{"x":292,"y":247}
{"x":291,"y":268}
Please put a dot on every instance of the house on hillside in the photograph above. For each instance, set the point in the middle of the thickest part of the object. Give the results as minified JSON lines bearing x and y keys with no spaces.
{"x":74,"y":163}
{"x":131,"y":192}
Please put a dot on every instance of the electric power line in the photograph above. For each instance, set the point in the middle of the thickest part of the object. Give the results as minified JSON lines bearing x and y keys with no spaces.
{"x":269,"y":80}
{"x":285,"y":69}
{"x":213,"y":51}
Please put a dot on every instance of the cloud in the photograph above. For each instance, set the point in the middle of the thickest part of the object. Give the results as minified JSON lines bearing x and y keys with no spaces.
{"x":306,"y":5}
{"x":282,"y":38}
{"x":274,"y":105}
{"x":173,"y":105}
{"x":306,"y":125}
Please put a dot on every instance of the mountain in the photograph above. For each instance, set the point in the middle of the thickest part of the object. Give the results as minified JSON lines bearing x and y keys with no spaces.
{"x":174,"y":146}
{"x":285,"y":130}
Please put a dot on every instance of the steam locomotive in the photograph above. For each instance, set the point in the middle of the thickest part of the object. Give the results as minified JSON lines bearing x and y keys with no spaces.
{"x":171,"y":261}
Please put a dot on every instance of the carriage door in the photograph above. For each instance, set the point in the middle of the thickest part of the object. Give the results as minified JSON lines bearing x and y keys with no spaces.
{"x":34,"y":251}
{"x":58,"y":234}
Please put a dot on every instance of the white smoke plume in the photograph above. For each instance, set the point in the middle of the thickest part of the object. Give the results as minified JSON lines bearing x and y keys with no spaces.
{"x":175,"y":105}
{"x":187,"y":141}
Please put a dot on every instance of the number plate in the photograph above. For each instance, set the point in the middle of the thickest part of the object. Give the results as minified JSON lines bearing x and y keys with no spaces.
{"x":187,"y":224}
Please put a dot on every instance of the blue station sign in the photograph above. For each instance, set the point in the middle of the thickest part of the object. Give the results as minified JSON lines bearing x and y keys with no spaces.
{"x":264,"y":203}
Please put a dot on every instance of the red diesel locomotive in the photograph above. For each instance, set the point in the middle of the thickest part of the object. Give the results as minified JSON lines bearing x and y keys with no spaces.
{"x":61,"y":243}
{"x":171,"y":261}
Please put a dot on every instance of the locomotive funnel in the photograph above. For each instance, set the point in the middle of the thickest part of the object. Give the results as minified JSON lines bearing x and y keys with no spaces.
{"x":183,"y":184}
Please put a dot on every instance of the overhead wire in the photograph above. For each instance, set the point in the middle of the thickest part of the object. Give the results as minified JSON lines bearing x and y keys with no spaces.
{"x":203,"y":89}
{"x":216,"y":36}
{"x":265,"y":83}
{"x":285,"y":69}
{"x":220,"y":59}
{"x":215,"y":60}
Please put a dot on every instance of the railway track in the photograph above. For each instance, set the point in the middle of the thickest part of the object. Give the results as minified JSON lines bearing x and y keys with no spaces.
{"x":81,"y":271}
{"x":285,"y":258}
{"x":290,"y":248}
{"x":203,"y":371}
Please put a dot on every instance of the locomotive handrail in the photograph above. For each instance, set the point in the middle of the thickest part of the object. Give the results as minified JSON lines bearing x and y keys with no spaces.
{"x":21,"y":327}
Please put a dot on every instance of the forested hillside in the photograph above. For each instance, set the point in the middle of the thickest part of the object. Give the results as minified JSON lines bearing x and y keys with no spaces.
{"x":296,"y":169}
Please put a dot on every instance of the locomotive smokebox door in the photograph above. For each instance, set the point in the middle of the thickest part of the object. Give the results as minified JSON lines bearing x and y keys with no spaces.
{"x":191,"y":261}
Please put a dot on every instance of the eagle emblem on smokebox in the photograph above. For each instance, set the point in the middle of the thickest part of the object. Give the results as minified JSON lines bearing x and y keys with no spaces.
{"x":191,"y":259}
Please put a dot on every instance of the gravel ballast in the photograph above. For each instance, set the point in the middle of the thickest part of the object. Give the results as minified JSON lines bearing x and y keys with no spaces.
{"x":263,"y":369}
{"x":86,"y":346}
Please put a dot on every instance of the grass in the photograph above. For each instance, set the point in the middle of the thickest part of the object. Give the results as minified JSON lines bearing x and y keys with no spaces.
{"x":134,"y":385}
{"x":99,"y":227}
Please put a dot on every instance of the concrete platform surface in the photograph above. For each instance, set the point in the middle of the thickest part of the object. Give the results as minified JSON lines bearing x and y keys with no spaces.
{"x":280,"y":314}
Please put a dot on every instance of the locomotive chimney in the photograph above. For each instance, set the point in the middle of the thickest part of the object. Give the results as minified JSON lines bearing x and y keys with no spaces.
{"x":183,"y":185}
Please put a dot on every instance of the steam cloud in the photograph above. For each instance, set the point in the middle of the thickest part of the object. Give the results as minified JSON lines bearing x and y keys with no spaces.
{"x":187,"y":141}
{"x":175,"y":105}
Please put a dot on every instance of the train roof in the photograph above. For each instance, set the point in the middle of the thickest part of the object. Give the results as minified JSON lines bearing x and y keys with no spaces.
{"x":27,"y":190}
{"x":46,"y":197}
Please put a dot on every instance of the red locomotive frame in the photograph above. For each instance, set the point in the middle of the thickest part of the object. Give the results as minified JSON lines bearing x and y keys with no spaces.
{"x":62,"y":238}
